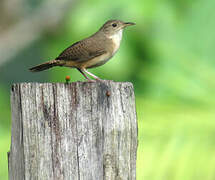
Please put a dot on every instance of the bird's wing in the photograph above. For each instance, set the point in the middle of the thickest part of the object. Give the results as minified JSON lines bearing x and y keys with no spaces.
{"x":82,"y":51}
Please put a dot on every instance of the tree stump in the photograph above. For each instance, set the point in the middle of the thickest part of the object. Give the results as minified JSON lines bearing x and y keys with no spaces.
{"x":80,"y":130}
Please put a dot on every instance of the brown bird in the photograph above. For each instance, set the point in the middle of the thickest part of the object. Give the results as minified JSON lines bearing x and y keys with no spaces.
{"x":91,"y":52}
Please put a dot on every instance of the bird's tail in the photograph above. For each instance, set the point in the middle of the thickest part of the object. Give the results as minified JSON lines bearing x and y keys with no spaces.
{"x":46,"y":65}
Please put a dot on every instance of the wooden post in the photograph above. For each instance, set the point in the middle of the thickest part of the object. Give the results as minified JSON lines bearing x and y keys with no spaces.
{"x":80,"y":130}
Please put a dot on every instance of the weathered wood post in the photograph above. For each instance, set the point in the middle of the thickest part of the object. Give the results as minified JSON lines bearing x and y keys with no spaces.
{"x":80,"y":130}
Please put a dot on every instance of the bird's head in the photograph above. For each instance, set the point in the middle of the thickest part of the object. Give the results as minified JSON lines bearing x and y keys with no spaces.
{"x":113,"y":27}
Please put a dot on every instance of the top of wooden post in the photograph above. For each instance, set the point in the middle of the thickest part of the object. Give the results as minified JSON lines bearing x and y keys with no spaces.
{"x":78,"y":130}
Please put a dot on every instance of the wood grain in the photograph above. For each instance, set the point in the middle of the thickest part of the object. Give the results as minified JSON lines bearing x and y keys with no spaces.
{"x":80,"y":130}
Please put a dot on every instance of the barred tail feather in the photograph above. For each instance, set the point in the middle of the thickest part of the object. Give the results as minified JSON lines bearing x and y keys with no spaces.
{"x":46,"y":65}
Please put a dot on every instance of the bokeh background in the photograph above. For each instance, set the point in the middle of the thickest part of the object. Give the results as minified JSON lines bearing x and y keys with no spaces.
{"x":168,"y":56}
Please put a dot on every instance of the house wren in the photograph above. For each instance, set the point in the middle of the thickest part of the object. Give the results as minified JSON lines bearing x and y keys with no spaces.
{"x":91,"y":52}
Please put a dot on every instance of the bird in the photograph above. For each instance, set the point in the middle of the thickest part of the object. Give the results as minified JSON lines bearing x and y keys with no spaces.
{"x":90,"y":52}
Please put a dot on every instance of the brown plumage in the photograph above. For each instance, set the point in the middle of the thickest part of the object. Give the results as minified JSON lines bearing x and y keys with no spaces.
{"x":82,"y":51}
{"x":90,"y":52}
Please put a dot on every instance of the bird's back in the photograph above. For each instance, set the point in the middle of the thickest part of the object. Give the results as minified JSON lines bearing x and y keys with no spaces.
{"x":86,"y":49}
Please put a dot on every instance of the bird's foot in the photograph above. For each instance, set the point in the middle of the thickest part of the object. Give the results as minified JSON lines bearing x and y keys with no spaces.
{"x":95,"y":80}
{"x":104,"y":80}
{"x":90,"y":80}
{"x":100,"y":80}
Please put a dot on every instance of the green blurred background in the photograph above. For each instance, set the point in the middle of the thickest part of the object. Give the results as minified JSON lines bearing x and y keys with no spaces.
{"x":168,"y":56}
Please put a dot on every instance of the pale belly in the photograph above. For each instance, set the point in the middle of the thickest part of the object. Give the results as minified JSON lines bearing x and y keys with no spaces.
{"x":97,"y":61}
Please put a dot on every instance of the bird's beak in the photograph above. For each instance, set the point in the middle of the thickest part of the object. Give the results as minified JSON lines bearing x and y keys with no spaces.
{"x":128,"y":24}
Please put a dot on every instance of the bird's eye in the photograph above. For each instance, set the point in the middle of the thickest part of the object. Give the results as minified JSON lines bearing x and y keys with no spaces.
{"x":114,"y":24}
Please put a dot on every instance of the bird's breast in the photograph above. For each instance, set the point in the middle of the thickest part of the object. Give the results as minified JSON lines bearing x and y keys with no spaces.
{"x":116,"y":39}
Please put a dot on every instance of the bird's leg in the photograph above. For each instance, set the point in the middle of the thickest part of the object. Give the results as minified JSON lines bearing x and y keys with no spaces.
{"x":83,"y":74}
{"x":91,"y":74}
{"x":81,"y":71}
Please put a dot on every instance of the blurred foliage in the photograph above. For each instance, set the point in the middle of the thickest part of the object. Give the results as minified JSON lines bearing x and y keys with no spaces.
{"x":168,"y":56}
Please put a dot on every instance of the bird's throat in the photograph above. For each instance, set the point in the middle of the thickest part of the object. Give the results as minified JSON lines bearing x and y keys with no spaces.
{"x":116,"y":38}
